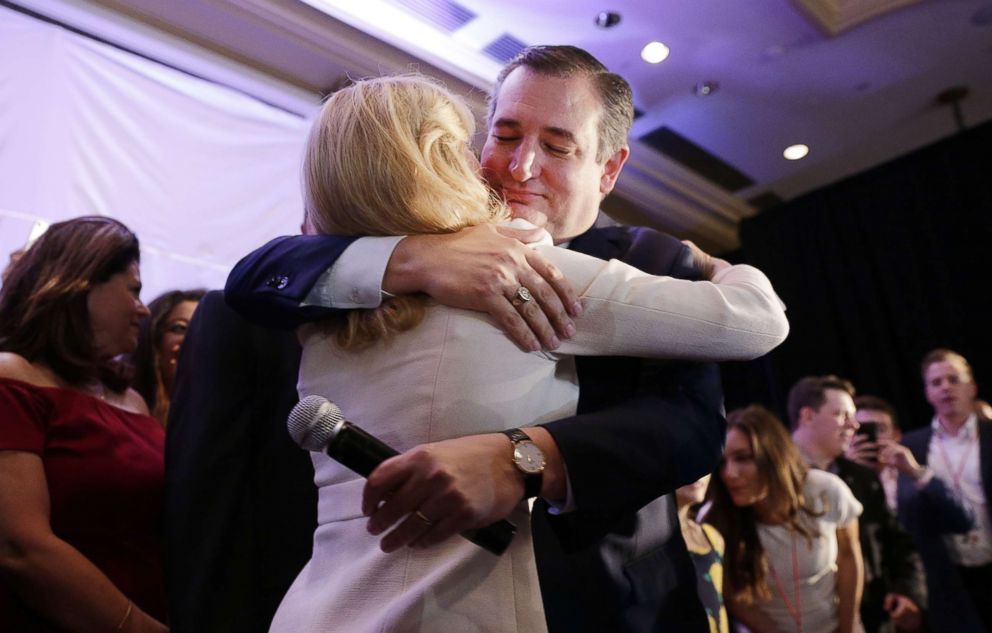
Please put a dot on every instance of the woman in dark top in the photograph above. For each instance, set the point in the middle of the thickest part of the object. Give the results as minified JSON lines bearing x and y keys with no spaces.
{"x":81,"y":461}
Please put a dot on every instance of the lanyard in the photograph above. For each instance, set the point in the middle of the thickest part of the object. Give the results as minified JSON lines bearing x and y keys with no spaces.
{"x":797,"y":613}
{"x":956,"y":475}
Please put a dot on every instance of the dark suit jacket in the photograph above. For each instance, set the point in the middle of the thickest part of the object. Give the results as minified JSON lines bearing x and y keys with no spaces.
{"x":928,"y":515}
{"x":644,"y":428}
{"x":891,"y":561}
{"x":241,"y":506}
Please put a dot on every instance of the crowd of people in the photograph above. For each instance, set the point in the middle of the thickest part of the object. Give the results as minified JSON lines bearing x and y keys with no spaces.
{"x":542,"y":370}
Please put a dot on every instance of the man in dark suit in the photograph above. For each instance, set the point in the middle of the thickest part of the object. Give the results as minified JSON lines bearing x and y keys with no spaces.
{"x":956,"y":449}
{"x":822,"y":414}
{"x":241,"y":506}
{"x":612,"y":558}
{"x":929,"y":510}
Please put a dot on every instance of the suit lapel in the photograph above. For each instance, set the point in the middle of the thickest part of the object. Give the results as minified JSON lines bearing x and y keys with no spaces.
{"x":920,"y":445}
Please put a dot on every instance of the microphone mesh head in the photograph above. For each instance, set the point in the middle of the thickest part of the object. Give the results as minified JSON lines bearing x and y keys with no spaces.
{"x":314,"y":422}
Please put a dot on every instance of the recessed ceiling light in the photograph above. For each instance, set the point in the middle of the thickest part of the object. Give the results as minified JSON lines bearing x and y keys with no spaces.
{"x":607,"y":19}
{"x":705,"y":88}
{"x":655,"y":53}
{"x":795,"y":152}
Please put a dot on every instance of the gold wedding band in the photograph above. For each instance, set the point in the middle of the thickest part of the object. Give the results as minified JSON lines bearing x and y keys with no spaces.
{"x":423,"y":517}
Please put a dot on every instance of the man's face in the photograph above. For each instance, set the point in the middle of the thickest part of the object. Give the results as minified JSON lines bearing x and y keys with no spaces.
{"x":950,"y":389}
{"x":540,"y":154}
{"x":882,"y":421}
{"x":831,"y":427}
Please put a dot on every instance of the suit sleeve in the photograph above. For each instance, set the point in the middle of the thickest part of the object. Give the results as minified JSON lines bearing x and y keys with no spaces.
{"x":268,"y":286}
{"x":668,"y":434}
{"x":932,"y":510}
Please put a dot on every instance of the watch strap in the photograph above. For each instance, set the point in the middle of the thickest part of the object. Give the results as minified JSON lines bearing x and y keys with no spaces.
{"x":516,"y":435}
{"x":532,"y":481}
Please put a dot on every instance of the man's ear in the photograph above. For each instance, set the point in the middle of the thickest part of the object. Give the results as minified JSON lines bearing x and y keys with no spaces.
{"x":805,"y":414}
{"x":611,"y":170}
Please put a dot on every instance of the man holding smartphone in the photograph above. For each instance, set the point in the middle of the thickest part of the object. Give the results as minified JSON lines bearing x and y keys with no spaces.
{"x":876,"y":445}
{"x":822,"y":414}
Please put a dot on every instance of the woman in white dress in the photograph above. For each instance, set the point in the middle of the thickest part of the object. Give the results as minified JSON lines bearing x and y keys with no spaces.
{"x":793,"y":559}
{"x":390,"y":156}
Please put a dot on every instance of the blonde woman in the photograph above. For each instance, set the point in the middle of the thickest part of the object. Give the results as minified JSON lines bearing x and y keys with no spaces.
{"x":390,"y":156}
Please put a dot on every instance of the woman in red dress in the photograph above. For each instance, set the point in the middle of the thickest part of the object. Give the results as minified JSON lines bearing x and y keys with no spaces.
{"x":81,"y":461}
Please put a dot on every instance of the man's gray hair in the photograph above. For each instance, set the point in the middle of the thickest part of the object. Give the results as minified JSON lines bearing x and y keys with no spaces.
{"x":614,"y":92}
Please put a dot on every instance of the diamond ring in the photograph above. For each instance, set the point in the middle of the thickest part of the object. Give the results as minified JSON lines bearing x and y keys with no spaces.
{"x":521,"y":296}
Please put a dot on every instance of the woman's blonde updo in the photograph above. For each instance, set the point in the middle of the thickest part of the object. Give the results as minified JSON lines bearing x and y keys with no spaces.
{"x":390,"y":156}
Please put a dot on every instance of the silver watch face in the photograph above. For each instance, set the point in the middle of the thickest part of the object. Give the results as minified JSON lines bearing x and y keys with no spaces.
{"x":528,"y":457}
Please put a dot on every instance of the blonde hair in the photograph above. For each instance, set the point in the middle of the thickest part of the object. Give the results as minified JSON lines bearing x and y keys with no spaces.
{"x":390,"y":156}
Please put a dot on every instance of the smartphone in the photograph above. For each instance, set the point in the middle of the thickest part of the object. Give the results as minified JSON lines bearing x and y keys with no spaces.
{"x":869,"y":430}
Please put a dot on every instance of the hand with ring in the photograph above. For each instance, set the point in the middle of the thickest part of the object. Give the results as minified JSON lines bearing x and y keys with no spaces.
{"x":434,"y":492}
{"x":487,"y":269}
{"x":423,"y":517}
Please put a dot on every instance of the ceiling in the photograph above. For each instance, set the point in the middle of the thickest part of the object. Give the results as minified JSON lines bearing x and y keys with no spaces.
{"x":857,"y":98}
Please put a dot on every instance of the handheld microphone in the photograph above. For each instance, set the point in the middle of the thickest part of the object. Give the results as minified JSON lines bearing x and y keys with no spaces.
{"x":317,"y":424}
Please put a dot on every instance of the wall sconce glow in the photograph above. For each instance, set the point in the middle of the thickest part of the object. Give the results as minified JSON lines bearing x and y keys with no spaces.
{"x":795,"y":152}
{"x":655,"y":53}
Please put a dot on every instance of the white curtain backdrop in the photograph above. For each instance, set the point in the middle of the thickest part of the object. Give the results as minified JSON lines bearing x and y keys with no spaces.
{"x":201,"y":173}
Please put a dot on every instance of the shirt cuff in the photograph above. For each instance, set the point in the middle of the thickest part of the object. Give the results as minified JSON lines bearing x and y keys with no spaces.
{"x":355,"y":279}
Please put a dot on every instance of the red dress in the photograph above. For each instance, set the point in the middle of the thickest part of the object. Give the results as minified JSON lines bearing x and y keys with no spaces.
{"x":106,"y":479}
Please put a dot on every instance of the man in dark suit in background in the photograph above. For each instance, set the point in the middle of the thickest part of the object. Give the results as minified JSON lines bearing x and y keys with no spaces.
{"x":873,"y":411}
{"x":241,"y":506}
{"x":929,"y":510}
{"x":956,"y":448}
{"x":612,"y":558}
{"x":822,"y":414}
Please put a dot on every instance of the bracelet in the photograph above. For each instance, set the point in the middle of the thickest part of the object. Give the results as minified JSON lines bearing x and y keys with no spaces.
{"x":127,"y":614}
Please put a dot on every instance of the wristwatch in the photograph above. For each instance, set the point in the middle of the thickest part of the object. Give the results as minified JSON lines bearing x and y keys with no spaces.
{"x":529,"y":459}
